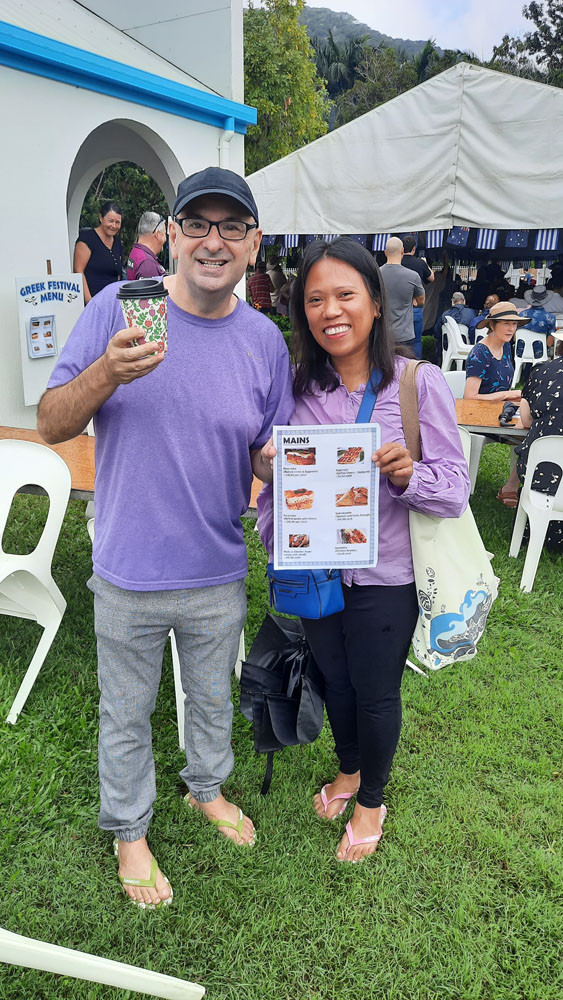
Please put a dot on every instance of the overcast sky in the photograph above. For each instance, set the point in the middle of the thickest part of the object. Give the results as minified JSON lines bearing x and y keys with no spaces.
{"x":476,"y":25}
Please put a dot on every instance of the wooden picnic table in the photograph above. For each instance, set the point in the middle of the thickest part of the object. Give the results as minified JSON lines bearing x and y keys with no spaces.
{"x":480,"y":416}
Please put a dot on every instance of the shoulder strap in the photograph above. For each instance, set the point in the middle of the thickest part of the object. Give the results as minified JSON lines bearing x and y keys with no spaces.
{"x":408,"y":400}
{"x":369,"y":398}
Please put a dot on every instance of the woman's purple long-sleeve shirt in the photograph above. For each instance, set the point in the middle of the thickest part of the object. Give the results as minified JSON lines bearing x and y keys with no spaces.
{"x":439,"y":484}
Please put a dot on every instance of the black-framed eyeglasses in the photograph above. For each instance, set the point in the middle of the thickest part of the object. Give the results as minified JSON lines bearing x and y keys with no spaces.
{"x":159,"y":223}
{"x":228,"y":229}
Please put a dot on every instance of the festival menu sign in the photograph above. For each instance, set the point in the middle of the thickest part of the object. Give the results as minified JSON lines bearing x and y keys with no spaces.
{"x":326,"y":496}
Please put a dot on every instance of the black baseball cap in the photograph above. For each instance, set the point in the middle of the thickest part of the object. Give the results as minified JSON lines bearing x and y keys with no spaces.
{"x":215,"y":180}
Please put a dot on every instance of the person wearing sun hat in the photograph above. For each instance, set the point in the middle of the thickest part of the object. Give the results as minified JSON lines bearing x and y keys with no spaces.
{"x":489,"y":369}
{"x":489,"y":372}
{"x":540,"y":320}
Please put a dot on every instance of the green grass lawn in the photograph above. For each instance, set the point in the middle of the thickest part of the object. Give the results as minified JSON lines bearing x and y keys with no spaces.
{"x":463,"y":898}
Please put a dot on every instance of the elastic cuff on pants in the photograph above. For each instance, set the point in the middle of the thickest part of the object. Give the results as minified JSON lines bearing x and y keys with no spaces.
{"x":205,"y":796}
{"x":130,"y":835}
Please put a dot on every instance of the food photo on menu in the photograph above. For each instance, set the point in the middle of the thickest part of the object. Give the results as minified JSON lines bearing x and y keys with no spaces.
{"x":356,"y":496}
{"x":299,"y":541}
{"x":349,"y":456}
{"x":300,"y":456}
{"x":350,"y":536}
{"x":300,"y":499}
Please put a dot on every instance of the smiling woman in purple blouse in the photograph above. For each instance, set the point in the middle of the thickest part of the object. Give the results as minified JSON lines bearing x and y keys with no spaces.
{"x":341,"y":338}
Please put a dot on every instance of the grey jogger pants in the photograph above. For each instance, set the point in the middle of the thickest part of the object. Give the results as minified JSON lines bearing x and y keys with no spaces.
{"x":131,"y":629}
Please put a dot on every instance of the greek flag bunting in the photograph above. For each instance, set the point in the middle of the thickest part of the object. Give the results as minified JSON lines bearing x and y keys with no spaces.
{"x":547,"y":239}
{"x":486,"y":239}
{"x":290,"y":240}
{"x":380,"y":241}
{"x":329,"y":237}
{"x":434,"y":239}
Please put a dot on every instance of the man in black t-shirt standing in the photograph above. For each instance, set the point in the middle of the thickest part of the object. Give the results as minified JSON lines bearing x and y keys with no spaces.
{"x":426,"y":275}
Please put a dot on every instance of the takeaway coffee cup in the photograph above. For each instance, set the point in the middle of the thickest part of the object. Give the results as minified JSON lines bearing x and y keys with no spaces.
{"x":143,"y":303}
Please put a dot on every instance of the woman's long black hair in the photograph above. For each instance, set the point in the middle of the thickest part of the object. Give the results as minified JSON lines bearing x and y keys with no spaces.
{"x":311,"y":359}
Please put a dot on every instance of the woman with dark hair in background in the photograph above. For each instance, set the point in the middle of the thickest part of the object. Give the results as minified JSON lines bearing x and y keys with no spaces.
{"x":541,"y":409}
{"x":341,"y":343}
{"x":98,"y":253}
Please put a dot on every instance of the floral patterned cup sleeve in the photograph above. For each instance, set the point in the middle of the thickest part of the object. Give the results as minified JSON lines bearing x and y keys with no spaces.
{"x":151,"y":315}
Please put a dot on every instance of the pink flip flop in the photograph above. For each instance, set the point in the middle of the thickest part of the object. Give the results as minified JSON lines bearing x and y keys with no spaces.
{"x":326,"y":802}
{"x":352,"y":842}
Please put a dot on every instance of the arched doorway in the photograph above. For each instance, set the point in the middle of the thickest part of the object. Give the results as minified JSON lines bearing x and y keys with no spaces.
{"x":121,"y":139}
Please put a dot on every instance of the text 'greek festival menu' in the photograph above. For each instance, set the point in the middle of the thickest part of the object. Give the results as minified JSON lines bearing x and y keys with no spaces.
{"x":326,"y":493}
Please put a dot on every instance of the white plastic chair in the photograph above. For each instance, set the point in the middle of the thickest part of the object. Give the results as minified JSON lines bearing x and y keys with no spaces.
{"x":27,"y":588}
{"x":464,"y":330}
{"x":178,"y":689}
{"x":481,"y":334}
{"x":33,"y":954}
{"x":538,"y":508}
{"x":456,"y":382}
{"x":527,"y":338}
{"x":180,"y":696}
{"x":457,"y":350}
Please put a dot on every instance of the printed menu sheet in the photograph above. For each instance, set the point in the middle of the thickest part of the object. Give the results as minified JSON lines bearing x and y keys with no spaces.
{"x":326,"y":496}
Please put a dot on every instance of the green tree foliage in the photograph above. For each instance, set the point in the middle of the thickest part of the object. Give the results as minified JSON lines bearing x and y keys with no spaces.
{"x":383,"y":74}
{"x":539,"y":55}
{"x":133,"y":190}
{"x":338,"y":63}
{"x":281,"y":82}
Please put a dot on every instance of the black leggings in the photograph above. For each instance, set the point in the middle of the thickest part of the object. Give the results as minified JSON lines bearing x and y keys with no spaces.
{"x":361,"y":654}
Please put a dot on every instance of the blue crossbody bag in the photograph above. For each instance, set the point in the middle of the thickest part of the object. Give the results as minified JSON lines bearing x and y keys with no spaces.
{"x":316,"y":593}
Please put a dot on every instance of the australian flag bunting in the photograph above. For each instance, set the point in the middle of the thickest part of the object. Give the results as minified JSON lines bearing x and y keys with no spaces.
{"x":458,"y":236}
{"x":517,"y":238}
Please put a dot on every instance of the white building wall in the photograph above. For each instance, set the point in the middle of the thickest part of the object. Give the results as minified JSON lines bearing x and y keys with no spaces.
{"x":44,"y":124}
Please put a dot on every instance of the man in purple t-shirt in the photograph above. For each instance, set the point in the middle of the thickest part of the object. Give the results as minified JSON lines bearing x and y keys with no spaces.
{"x":178,"y":437}
{"x":143,"y":259}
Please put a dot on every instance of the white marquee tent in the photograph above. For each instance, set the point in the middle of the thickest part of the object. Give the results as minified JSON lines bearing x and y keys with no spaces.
{"x":470,"y":147}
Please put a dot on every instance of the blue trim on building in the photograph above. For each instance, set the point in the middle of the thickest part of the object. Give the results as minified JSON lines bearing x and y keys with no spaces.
{"x":32,"y":53}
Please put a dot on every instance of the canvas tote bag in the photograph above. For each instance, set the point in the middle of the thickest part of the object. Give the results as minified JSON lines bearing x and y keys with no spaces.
{"x":455,"y":582}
